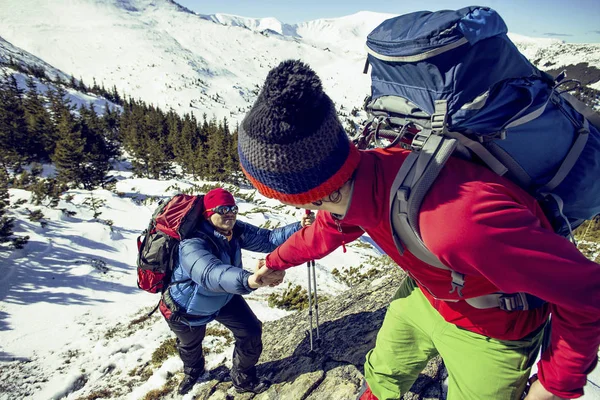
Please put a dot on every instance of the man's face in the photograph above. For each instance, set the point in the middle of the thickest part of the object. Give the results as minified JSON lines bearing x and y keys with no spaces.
{"x":224,"y":218}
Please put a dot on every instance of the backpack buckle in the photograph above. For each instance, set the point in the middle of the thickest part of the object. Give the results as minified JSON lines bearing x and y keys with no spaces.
{"x":420,"y":139}
{"x":439,"y":117}
{"x":513,"y":302}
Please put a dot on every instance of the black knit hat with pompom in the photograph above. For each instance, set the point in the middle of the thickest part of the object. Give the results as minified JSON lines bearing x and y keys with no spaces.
{"x":291,"y":144}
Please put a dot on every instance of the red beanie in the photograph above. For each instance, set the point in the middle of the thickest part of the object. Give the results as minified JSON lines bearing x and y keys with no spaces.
{"x":217,"y":197}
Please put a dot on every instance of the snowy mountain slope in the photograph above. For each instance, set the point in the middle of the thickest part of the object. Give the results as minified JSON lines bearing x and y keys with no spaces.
{"x":76,"y":98}
{"x":71,"y":317}
{"x":10,"y":53}
{"x":29,"y":62}
{"x":169,"y":56}
{"x":346,"y":33}
{"x":162,"y":54}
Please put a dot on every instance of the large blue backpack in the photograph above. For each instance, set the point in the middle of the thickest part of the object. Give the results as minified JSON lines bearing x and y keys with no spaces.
{"x":452,"y":83}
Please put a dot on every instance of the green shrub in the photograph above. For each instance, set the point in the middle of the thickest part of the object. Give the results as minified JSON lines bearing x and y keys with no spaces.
{"x":360,"y":244}
{"x":47,"y":192}
{"x":94,"y":204}
{"x":145,"y":317}
{"x":293,"y":298}
{"x":247,"y":197}
{"x":590,"y":250}
{"x":589,"y":231}
{"x":20,"y":241}
{"x":68,"y":212}
{"x":19,"y":203}
{"x":35,"y":216}
{"x":352,"y":276}
{"x":158,"y":394}
{"x":164,"y":351}
{"x":220,"y":332}
{"x":111,"y":332}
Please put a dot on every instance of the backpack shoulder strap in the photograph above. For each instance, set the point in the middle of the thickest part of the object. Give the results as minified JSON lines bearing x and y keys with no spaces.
{"x":415,"y":177}
{"x":413,"y":181}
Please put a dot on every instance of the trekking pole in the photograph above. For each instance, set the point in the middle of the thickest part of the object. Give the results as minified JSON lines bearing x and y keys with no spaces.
{"x":316,"y":301}
{"x":312,"y":281}
{"x":310,"y":307}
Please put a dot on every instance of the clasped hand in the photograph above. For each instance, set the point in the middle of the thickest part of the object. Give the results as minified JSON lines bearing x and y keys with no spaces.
{"x":264,"y":276}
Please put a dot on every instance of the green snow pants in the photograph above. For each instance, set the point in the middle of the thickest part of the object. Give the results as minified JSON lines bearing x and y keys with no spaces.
{"x":479,"y":367}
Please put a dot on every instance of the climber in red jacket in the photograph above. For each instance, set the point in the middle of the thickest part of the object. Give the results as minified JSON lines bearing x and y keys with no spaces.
{"x":293,"y":148}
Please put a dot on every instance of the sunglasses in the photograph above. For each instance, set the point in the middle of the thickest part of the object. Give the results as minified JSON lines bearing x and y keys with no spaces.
{"x":222,"y":210}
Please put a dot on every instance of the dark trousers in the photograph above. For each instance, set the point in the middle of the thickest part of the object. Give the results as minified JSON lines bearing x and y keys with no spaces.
{"x":247,"y":331}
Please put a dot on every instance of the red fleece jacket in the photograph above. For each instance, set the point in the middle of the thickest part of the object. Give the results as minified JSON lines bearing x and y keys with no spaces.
{"x":489,"y":229}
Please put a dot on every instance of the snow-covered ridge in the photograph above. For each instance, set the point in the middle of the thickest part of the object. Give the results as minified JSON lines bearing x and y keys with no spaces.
{"x":12,"y":54}
{"x":167,"y":55}
{"x":350,"y":32}
{"x":346,"y":33}
{"x":554,"y":53}
{"x":254,"y":24}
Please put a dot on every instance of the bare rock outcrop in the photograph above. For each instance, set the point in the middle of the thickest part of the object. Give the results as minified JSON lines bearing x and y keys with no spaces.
{"x":348,"y":326}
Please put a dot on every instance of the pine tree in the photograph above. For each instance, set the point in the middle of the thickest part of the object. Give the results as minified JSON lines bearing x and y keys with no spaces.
{"x":233,"y":153}
{"x":58,"y":103}
{"x":96,"y":154}
{"x":160,"y":153}
{"x":145,"y":137}
{"x":217,"y":151}
{"x":6,"y":223}
{"x":188,"y":147}
{"x":132,"y":126}
{"x":81,"y":86}
{"x":112,"y":135}
{"x":68,"y":155}
{"x":116,"y":97}
{"x":13,"y":126}
{"x":230,"y":143}
{"x":42,"y":132}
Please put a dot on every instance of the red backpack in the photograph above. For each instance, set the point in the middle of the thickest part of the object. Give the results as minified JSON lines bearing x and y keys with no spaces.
{"x":173,"y":221}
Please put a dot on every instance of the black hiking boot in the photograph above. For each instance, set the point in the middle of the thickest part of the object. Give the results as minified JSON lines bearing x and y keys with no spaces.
{"x":255,"y":386}
{"x":187,"y":384}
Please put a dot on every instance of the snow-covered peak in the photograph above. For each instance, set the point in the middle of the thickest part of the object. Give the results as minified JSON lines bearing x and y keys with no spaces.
{"x":160,"y":52}
{"x":347,"y":33}
{"x":254,"y":24}
{"x":167,"y":55}
{"x":343,"y":33}
{"x":142,"y":5}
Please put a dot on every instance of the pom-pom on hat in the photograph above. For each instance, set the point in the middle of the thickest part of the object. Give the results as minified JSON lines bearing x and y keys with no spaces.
{"x":215,"y":198}
{"x":292,"y":146}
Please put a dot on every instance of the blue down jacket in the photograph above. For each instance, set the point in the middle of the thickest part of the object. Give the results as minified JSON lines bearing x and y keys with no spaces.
{"x":215,"y":266}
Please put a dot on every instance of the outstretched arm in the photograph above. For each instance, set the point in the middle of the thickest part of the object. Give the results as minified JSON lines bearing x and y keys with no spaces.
{"x":263,"y":240}
{"x":313,"y":242}
{"x":209,"y":272}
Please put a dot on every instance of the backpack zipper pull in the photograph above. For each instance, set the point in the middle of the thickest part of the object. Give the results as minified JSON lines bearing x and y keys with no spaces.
{"x":339,"y":228}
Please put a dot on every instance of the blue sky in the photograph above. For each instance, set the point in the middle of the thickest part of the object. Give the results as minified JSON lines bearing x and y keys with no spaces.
{"x":576,"y":21}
